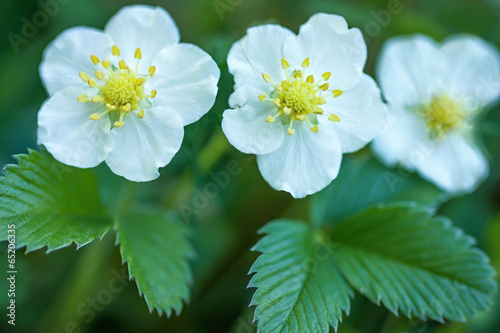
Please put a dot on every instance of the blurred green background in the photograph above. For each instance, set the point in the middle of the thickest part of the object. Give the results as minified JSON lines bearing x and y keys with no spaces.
{"x":56,"y":291}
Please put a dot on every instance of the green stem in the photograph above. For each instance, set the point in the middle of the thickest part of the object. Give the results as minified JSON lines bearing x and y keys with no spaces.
{"x":213,"y":151}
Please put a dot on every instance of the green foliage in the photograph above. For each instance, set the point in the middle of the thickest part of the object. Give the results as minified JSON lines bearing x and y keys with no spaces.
{"x":50,"y":204}
{"x":156,"y":249}
{"x":363,"y":182}
{"x":397,"y":255}
{"x":299,"y":287}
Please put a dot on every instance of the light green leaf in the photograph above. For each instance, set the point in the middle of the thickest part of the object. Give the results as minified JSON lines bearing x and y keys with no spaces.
{"x":364,"y":182}
{"x":299,"y":288}
{"x":414,"y":263}
{"x":156,"y":249}
{"x":50,"y":204}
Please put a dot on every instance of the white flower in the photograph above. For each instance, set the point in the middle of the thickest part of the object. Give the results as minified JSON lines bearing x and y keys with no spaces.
{"x":301,"y":101}
{"x":435,"y":93}
{"x":123,"y":95}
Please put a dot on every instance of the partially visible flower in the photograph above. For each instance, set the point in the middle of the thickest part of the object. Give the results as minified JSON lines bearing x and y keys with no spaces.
{"x":435,"y":93}
{"x":301,"y":101}
{"x":123,"y":95}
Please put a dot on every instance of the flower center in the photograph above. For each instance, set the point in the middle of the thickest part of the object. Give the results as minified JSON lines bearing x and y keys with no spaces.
{"x":443,"y":114}
{"x":299,"y":97}
{"x":120,"y":88}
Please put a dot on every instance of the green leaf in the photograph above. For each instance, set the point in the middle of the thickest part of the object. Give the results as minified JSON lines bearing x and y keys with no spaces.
{"x":50,"y":204}
{"x":157,"y":250}
{"x":409,"y":261}
{"x":362,"y":183}
{"x":299,"y":288}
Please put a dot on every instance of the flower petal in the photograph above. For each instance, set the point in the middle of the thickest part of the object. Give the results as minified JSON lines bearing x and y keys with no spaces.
{"x":331,"y":47}
{"x":362,"y":115}
{"x":145,"y":27}
{"x":144,"y":145}
{"x":453,"y":165}
{"x":305,"y":163}
{"x":245,"y":126}
{"x":69,"y":54}
{"x":410,"y":70}
{"x":404,"y":135}
{"x":473,"y":70}
{"x":260,"y":51}
{"x":65,"y":129}
{"x":186,"y":80}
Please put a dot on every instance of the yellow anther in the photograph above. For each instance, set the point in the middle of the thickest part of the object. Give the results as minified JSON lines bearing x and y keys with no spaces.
{"x":326,"y":76}
{"x":138,"y":53}
{"x":106,"y":63}
{"x":334,"y":117}
{"x":95,"y":59}
{"x":286,"y":110}
{"x":270,"y":119}
{"x":262,"y":97}
{"x":140,"y":114}
{"x":290,"y":131}
{"x":92,"y":83}
{"x":95,"y":116}
{"x":97,"y":99}
{"x":277,"y":102}
{"x":83,"y":98}
{"x":266,"y":77}
{"x":122,"y":64}
{"x":318,"y":111}
{"x":118,"y":124}
{"x":100,"y":75}
{"x":110,"y":107}
{"x":306,"y":62}
{"x":297,"y":74}
{"x":84,"y":76}
{"x":278,"y":88}
{"x":152,"y":70}
{"x":321,"y":101}
{"x":115,"y":51}
{"x":314,"y":128}
{"x":140,"y":81}
{"x":310,"y":79}
{"x":301,"y":117}
{"x":153,"y":93}
{"x":337,"y":92}
{"x":284,"y":63}
{"x":324,"y":86}
{"x":126,"y":107}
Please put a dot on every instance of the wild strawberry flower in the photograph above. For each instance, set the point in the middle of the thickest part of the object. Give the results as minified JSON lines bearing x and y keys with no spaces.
{"x":123,"y":95}
{"x":435,"y":94}
{"x":301,"y":101}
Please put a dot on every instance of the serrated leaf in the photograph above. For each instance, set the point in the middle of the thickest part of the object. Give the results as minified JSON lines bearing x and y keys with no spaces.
{"x":50,"y":204}
{"x":157,"y":251}
{"x":414,"y":263}
{"x":299,"y":288}
{"x":363,"y":182}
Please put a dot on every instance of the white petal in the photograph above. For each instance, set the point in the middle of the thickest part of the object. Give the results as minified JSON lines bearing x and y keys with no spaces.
{"x":304,"y":164}
{"x":331,"y":47}
{"x":473,"y":70}
{"x":245,"y":126}
{"x":64,"y":127}
{"x":260,"y":51}
{"x":410,"y":70}
{"x":454,"y":165}
{"x":145,"y":27}
{"x":186,"y":80}
{"x":362,"y":115}
{"x":144,"y":145}
{"x":403,"y":139}
{"x":69,"y":54}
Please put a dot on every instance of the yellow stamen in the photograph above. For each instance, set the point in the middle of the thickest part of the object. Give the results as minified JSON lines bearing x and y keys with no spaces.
{"x":326,"y":76}
{"x":290,"y":131}
{"x":334,"y":118}
{"x":106,"y":63}
{"x":324,"y":86}
{"x":297,"y":74}
{"x":140,"y":81}
{"x":115,"y":51}
{"x":97,"y":99}
{"x":122,"y":64}
{"x":284,"y":63}
{"x":100,"y":75}
{"x":278,"y":88}
{"x":152,"y":70}
{"x":95,"y":116}
{"x":310,"y":79}
{"x":270,"y":119}
{"x":306,"y":62}
{"x":84,"y":76}
{"x":318,"y":111}
{"x":315,"y":129}
{"x":138,"y":53}
{"x":286,"y":110}
{"x":276,"y":102}
{"x":266,"y":77}
{"x":321,"y":101}
{"x":140,"y":114}
{"x":262,"y":97}
{"x":95,"y":59}
{"x":118,"y":124}
{"x":337,"y":92}
{"x":153,"y":93}
{"x":83,"y":98}
{"x":92,"y":83}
